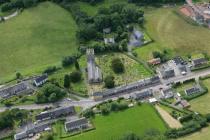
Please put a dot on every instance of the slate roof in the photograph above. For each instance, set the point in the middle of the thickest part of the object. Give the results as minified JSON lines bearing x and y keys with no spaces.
{"x":58,"y":112}
{"x":94,"y":72}
{"x":76,"y":123}
{"x":41,"y":78}
{"x":130,"y":87}
{"x":199,"y":61}
{"x":192,"y":90}
{"x":7,"y":92}
{"x":142,"y":94}
{"x":167,"y":73}
{"x":32,"y":130}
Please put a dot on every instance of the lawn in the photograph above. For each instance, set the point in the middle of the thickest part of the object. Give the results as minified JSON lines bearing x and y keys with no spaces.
{"x":201,"y":104}
{"x":170,"y":31}
{"x":115,"y":125}
{"x":35,"y":39}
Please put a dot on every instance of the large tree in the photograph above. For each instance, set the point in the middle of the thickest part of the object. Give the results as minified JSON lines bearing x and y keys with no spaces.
{"x":117,"y":65}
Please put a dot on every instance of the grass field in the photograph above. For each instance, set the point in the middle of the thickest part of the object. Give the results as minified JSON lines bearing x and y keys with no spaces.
{"x":170,"y":31}
{"x":35,"y":39}
{"x":115,"y":125}
{"x":201,"y":104}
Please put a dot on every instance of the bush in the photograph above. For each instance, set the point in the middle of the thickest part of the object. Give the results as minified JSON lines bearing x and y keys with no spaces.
{"x":66,"y":81}
{"x":117,"y":65}
{"x":68,"y":60}
{"x":104,"y":110}
{"x":50,"y":69}
{"x":109,"y":81}
{"x":88,"y":113}
{"x":75,"y":76}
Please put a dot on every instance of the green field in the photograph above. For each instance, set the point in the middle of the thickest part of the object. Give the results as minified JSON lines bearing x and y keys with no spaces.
{"x":201,"y":104}
{"x":38,"y":37}
{"x":115,"y":125}
{"x":170,"y":31}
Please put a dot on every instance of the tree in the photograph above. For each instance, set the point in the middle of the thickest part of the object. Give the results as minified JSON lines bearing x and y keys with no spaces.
{"x":109,"y":81}
{"x":18,"y":75}
{"x":88,"y":113}
{"x":49,"y":93}
{"x":67,"y":81}
{"x":117,"y":65}
{"x":77,"y":65}
{"x":68,"y":60}
{"x":75,"y":76}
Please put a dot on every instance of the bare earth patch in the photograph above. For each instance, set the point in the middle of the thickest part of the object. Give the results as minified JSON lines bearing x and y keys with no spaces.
{"x":173,"y":123}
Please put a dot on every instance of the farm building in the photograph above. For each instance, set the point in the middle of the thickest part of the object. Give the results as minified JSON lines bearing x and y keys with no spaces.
{"x":184,"y":104}
{"x":17,"y":89}
{"x":154,"y":61}
{"x":94,"y":72}
{"x":58,"y":112}
{"x":77,"y":124}
{"x":40,"y":80}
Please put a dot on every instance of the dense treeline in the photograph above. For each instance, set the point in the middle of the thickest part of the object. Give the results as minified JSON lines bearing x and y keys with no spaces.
{"x":17,"y":4}
{"x":155,"y":1}
{"x":8,"y":117}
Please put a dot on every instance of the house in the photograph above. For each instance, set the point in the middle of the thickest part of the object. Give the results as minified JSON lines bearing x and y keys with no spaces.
{"x":192,"y":90}
{"x":20,"y":88}
{"x":167,"y":93}
{"x":142,"y":95}
{"x":136,"y":38}
{"x":56,"y":113}
{"x":77,"y":124}
{"x":94,"y":72}
{"x":139,"y":85}
{"x":167,"y":73}
{"x":199,"y":62}
{"x":31,"y":131}
{"x":154,"y":61}
{"x":184,"y":104}
{"x":40,"y":80}
{"x":109,"y":41}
